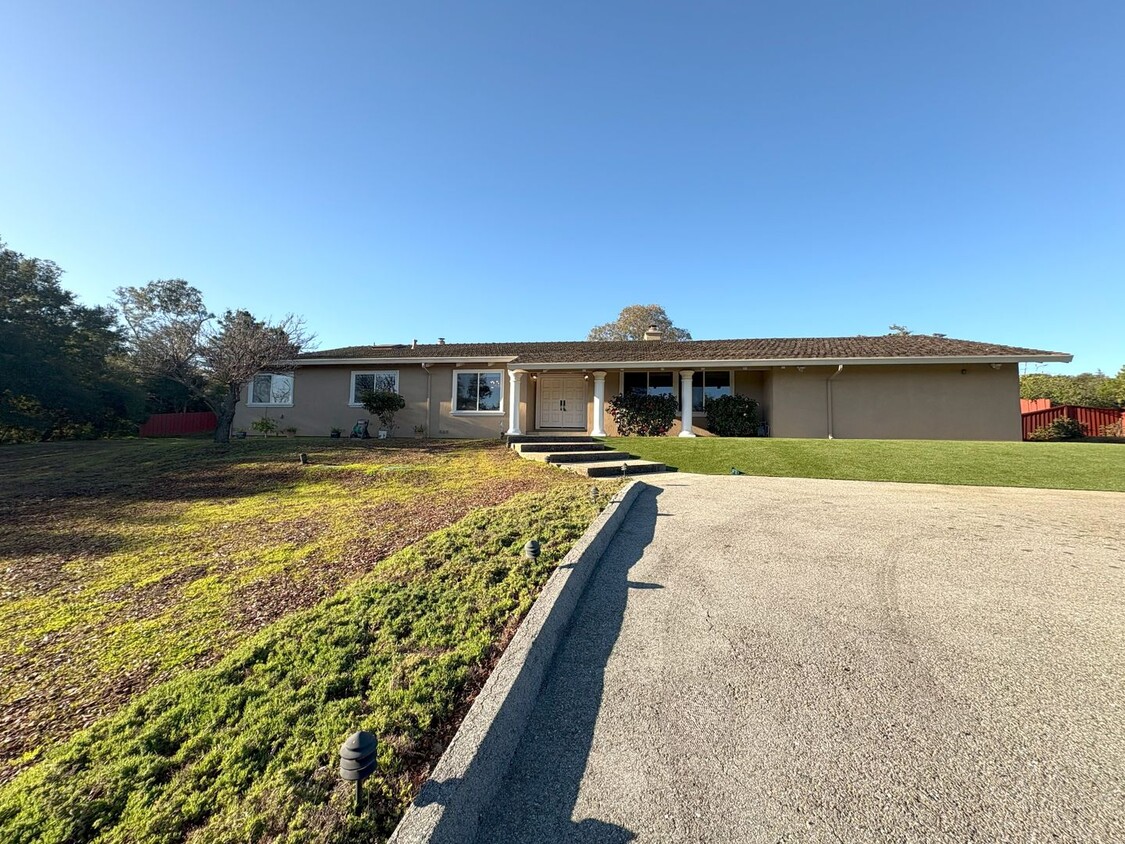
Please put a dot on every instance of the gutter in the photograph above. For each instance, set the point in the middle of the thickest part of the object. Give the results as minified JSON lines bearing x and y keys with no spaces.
{"x":828,"y":387}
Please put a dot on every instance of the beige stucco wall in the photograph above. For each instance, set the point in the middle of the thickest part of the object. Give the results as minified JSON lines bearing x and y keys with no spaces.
{"x":943,"y":402}
{"x":320,"y":403}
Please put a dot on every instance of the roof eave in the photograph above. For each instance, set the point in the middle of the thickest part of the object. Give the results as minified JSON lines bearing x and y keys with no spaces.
{"x":770,"y":362}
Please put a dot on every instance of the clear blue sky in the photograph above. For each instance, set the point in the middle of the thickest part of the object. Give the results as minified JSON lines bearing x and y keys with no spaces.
{"x":521,"y":171}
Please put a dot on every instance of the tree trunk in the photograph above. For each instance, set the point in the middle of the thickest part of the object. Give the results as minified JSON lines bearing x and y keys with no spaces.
{"x":226,"y":414}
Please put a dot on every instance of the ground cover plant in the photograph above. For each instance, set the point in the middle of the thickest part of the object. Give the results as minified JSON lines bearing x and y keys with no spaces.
{"x":245,"y":750}
{"x":126,"y":563}
{"x":1062,"y":465}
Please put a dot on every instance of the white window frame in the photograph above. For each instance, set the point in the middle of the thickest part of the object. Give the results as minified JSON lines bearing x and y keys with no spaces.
{"x":700,"y":373}
{"x":250,"y":390}
{"x":353,"y":399}
{"x":503,"y":393}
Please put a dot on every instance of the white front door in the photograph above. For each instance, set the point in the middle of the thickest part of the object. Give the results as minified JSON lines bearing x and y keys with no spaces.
{"x":561,"y":402}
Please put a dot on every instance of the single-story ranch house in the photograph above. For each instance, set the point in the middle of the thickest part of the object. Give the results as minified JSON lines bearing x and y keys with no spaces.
{"x":894,"y":386}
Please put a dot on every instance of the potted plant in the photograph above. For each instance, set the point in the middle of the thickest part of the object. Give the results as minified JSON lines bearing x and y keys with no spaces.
{"x":336,"y":433}
{"x":419,"y":432}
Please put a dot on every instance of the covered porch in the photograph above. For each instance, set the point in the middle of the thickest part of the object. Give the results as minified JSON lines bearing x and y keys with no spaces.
{"x":559,"y":400}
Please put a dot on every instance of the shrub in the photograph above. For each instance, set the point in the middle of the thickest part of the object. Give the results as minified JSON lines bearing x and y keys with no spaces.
{"x":264,"y":425}
{"x":732,"y":416}
{"x":1112,"y":430}
{"x":642,"y":415}
{"x":1063,"y":428}
{"x":384,"y":404}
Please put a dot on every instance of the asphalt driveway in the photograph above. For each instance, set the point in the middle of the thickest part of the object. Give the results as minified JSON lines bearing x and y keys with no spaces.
{"x":761,"y":659}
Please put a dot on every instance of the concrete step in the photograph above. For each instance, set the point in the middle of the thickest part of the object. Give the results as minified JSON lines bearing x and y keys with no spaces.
{"x":612,"y":469}
{"x":549,"y":438}
{"x":587,"y":456}
{"x":531,"y":448}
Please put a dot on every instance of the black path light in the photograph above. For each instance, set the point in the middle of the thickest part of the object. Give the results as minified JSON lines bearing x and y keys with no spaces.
{"x":357,"y":762}
{"x":531,"y":549}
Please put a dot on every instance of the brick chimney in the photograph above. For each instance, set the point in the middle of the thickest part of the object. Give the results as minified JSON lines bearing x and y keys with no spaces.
{"x":653,"y":333}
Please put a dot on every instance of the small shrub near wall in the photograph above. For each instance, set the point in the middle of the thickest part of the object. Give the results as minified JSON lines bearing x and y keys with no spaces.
{"x":732,"y":416}
{"x":640,"y":415}
{"x":1063,"y":428}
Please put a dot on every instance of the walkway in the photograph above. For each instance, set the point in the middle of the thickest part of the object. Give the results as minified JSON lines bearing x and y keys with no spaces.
{"x":797,"y":660}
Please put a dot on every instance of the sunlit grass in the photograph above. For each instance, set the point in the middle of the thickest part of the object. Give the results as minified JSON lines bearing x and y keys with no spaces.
{"x":1062,"y":465}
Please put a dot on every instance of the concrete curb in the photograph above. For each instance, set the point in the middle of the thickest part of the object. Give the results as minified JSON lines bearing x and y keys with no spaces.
{"x":466,"y":778}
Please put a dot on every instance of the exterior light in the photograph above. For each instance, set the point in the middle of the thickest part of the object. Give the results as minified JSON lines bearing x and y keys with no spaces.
{"x":594,"y":493}
{"x":531,"y":550}
{"x":995,"y":365}
{"x":800,"y":369}
{"x":358,"y":762}
{"x":586,"y":377}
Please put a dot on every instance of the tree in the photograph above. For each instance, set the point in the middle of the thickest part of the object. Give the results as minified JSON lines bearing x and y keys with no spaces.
{"x":1087,"y":389}
{"x":384,"y":404}
{"x":632,"y":323}
{"x":62,"y":370}
{"x":171,"y":333}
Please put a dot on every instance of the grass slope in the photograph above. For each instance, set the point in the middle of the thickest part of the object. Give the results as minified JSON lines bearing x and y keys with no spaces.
{"x":123,"y":563}
{"x":246,"y":750}
{"x":1077,"y":465}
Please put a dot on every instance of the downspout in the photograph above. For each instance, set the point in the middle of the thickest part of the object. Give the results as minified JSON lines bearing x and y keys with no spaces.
{"x":429,"y":391}
{"x":828,"y":387}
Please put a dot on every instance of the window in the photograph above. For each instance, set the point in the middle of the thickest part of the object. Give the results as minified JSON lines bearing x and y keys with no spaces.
{"x":650,"y":383}
{"x":706,"y":386}
{"x":478,"y":392}
{"x":270,"y":389}
{"x":363,"y":382}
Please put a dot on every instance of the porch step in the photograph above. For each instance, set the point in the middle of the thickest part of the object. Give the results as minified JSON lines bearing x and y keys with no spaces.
{"x":575,"y":456}
{"x":512,"y":439}
{"x":552,"y":445}
{"x":615,"y":468}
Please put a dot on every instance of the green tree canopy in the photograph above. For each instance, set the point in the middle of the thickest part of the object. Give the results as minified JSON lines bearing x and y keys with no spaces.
{"x":1089,"y":389}
{"x":62,"y":370}
{"x":172,"y":334}
{"x":634,"y":320}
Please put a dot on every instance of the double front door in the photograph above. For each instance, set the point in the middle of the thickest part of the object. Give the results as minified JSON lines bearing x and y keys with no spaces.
{"x":561,"y":402}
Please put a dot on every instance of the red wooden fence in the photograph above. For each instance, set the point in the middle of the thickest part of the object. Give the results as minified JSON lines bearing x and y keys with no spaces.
{"x":179,"y":424}
{"x":1090,"y":418}
{"x":1028,"y":405}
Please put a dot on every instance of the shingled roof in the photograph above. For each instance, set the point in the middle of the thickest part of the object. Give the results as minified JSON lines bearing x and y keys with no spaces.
{"x":812,"y":349}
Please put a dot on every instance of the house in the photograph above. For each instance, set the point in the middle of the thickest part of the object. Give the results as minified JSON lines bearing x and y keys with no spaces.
{"x":894,"y":386}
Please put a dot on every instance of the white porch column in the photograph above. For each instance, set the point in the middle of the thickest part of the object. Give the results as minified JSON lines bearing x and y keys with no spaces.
{"x":599,"y":405}
{"x":515,"y":376}
{"x":685,"y":402}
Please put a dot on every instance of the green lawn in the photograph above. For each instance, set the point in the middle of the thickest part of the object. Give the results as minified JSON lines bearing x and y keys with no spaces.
{"x":1061,"y":465}
{"x":220,"y":618}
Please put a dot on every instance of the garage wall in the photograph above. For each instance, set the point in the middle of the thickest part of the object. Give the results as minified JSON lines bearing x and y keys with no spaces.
{"x":967,"y":402}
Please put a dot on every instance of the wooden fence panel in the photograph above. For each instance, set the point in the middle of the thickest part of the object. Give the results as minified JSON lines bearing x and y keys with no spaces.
{"x":179,"y":424}
{"x":1092,"y":419}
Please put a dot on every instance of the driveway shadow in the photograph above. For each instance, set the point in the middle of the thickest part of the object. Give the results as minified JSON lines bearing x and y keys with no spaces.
{"x":537,"y":799}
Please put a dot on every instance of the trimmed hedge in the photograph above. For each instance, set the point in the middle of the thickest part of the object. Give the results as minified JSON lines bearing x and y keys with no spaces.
{"x":641,"y":415}
{"x":732,"y":416}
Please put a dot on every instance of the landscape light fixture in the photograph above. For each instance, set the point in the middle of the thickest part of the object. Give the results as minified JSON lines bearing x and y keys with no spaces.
{"x":358,"y":762}
{"x":531,"y":550}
